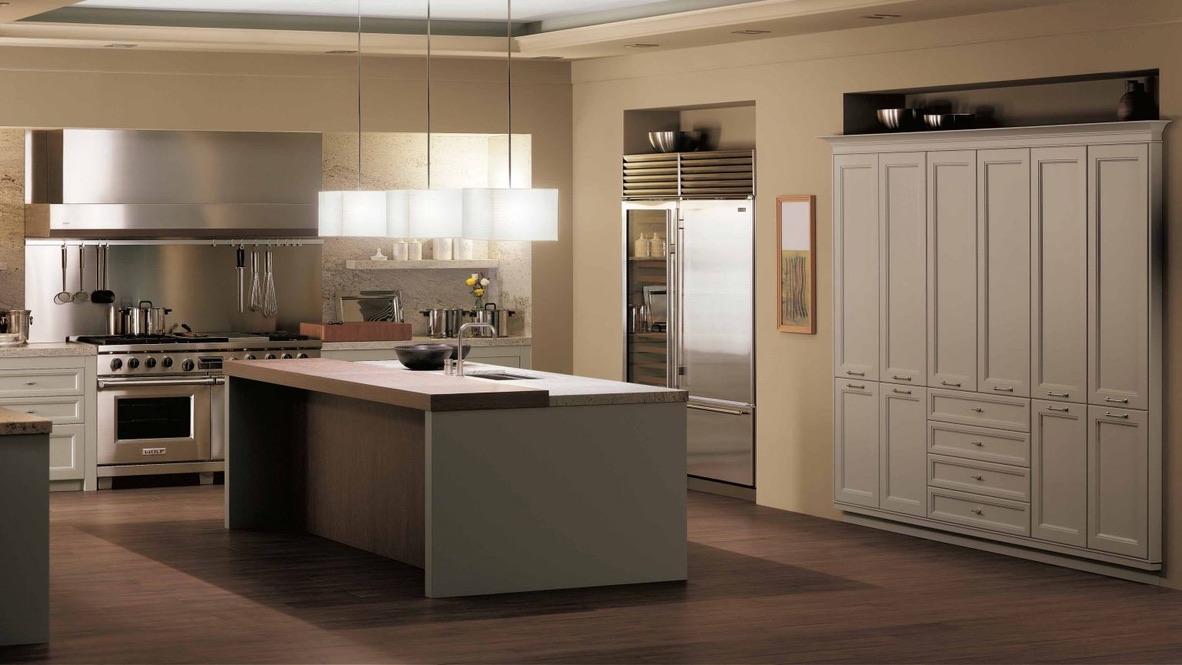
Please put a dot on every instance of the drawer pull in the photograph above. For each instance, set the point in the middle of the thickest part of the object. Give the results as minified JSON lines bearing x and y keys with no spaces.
{"x":978,"y":444}
{"x":1003,"y":390}
{"x":31,"y":411}
{"x":976,"y":511}
{"x":978,"y":409}
{"x":901,"y":378}
{"x":901,"y":392}
{"x":977,"y":477}
{"x":856,"y":386}
{"x":1061,"y":409}
{"x":1123,"y":416}
{"x":1117,"y":400}
{"x":1051,"y":393}
{"x":949,"y":383}
{"x":30,"y":383}
{"x":853,"y":373}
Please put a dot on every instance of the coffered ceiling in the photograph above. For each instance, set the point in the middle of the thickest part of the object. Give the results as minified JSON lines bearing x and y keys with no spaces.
{"x":556,"y":29}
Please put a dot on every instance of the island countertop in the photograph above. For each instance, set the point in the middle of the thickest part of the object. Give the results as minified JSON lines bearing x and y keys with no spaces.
{"x":17,"y":423}
{"x":389,"y":382}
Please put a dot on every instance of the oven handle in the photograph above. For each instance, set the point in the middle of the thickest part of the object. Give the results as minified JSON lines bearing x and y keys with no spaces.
{"x":119,"y":383}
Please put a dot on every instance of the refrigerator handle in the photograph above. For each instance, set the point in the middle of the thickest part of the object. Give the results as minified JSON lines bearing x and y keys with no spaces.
{"x":677,"y":302}
{"x":718,"y":409}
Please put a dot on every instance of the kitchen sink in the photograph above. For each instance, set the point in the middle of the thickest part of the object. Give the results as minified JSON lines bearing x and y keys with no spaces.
{"x":500,"y":376}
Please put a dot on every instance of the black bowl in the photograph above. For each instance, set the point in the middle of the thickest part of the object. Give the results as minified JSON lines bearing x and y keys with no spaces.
{"x":423,"y":356}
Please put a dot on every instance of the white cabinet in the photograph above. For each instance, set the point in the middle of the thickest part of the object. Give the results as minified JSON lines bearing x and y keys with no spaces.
{"x":903,"y":264}
{"x":855,"y":442}
{"x":1059,"y":467}
{"x":1118,"y":275}
{"x":855,"y":256}
{"x":1058,"y":274}
{"x":903,"y":449}
{"x":952,"y":269}
{"x":67,"y":452}
{"x":1118,"y":480}
{"x":1003,"y":256}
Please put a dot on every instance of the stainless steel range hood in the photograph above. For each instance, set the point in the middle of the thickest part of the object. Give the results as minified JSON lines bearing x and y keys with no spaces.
{"x":91,"y":183}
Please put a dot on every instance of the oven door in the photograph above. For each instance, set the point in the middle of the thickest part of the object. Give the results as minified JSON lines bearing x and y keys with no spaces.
{"x":152,"y":421}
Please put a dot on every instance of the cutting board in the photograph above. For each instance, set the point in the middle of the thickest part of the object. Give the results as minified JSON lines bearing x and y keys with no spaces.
{"x":357,"y":331}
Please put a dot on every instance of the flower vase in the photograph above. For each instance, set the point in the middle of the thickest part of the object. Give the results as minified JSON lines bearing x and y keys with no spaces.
{"x":479,"y":303}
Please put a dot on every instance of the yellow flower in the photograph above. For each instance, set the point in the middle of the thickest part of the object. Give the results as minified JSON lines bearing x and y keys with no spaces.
{"x":478,"y":292}
{"x":470,"y":281}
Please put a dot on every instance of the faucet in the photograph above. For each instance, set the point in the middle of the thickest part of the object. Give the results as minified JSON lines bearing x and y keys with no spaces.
{"x":460,"y":343}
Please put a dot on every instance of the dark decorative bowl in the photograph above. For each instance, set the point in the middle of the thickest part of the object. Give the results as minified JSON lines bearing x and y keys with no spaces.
{"x":427,"y":356}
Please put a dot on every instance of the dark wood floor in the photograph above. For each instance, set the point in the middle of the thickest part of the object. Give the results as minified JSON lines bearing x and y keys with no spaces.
{"x":150,"y":576}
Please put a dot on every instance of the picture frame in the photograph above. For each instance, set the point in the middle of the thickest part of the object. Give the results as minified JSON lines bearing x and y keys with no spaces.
{"x":796,"y":238}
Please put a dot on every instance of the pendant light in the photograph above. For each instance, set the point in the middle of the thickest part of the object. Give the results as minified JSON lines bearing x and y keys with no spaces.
{"x":363,"y":213}
{"x":507,"y":213}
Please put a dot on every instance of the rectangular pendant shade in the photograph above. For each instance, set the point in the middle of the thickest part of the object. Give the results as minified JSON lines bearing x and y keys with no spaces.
{"x":510,"y":214}
{"x":332,"y":214}
{"x":365,"y":214}
{"x":435,"y":213}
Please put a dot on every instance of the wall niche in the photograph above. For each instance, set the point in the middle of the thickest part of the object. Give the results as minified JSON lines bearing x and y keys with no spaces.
{"x":729,"y":126}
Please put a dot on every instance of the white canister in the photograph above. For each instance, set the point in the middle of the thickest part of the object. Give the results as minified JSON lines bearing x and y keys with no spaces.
{"x":640,"y":248}
{"x":399,"y":252}
{"x":441,"y":249}
{"x":462,"y":249}
{"x":414,"y":250}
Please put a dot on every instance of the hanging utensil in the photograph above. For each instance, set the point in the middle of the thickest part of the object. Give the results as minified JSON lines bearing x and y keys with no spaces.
{"x":256,"y":292}
{"x":270,"y":301}
{"x":64,"y":296}
{"x":241,"y":259}
{"x":102,"y":295}
{"x":82,"y":295}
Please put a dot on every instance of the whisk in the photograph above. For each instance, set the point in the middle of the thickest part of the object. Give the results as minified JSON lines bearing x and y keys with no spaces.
{"x":270,"y":301}
{"x":256,"y":292}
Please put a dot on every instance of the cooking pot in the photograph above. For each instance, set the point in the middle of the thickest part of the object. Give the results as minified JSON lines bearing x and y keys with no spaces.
{"x":154,"y":318}
{"x":491,"y":314}
{"x":442,"y":322}
{"x":144,"y":319}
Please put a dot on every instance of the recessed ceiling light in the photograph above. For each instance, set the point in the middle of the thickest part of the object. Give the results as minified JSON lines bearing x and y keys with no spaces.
{"x":120,"y":45}
{"x":340,"y":52}
{"x":641,"y":45}
{"x":881,"y":17}
{"x":750,"y":32}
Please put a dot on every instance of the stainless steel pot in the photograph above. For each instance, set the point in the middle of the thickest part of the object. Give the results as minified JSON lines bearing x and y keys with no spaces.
{"x":131,"y":321}
{"x":19,"y":321}
{"x":154,"y":318}
{"x":144,"y":319}
{"x":491,"y":314}
{"x":442,"y":322}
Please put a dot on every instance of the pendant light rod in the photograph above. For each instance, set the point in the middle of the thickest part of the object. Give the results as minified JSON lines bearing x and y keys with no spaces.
{"x":428,"y":94}
{"x":509,"y":82}
{"x":359,"y":95}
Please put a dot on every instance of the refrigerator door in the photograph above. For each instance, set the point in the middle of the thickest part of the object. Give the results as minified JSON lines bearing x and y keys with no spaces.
{"x":714,"y":302}
{"x":647,"y":276}
{"x":720,"y":441}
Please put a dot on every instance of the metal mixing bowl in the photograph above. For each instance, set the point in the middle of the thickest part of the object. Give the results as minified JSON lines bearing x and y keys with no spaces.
{"x":900,"y":118}
{"x":949,"y":120}
{"x":663,"y":141}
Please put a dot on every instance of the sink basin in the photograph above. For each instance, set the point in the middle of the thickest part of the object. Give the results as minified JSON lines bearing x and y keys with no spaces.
{"x":499,"y":376}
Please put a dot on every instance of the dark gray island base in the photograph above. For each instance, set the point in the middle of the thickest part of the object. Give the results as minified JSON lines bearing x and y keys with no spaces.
{"x":489,"y":486}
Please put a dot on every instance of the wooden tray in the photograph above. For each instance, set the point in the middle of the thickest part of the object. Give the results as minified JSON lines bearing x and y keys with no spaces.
{"x":357,"y":331}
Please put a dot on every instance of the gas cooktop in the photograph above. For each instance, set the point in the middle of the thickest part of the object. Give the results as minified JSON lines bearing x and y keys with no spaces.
{"x":109,"y":340}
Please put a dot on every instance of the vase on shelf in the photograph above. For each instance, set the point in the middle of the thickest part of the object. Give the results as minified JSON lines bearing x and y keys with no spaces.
{"x":479,"y":303}
{"x":1136,"y":104}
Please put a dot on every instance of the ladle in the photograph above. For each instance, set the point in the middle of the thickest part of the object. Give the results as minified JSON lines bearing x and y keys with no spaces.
{"x":64,"y":296}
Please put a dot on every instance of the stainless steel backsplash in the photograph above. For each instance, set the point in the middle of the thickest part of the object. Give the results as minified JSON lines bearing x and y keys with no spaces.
{"x":197,"y":281}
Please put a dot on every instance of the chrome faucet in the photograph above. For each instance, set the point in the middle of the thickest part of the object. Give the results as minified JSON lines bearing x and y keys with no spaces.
{"x":460,"y":343}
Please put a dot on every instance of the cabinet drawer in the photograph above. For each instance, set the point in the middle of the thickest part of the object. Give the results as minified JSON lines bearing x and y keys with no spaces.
{"x":1010,"y":413}
{"x":61,"y":410}
{"x":979,"y":511}
{"x":67,"y":452}
{"x":1000,"y":480}
{"x":979,"y":443}
{"x":27,"y":382}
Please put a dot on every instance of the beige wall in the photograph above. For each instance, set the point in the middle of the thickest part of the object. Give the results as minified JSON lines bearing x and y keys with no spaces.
{"x":797,"y":84}
{"x":272,"y":92}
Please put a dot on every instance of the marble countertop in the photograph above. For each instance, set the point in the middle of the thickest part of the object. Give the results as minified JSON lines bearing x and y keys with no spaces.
{"x":388,"y":382}
{"x":15,"y":423}
{"x":47,"y":349}
{"x":424,"y":339}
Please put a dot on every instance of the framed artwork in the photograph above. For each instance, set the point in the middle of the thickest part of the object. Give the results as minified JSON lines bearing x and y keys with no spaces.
{"x":796,"y":236}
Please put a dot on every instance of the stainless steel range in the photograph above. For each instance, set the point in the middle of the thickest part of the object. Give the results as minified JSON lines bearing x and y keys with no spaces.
{"x":162,"y":402}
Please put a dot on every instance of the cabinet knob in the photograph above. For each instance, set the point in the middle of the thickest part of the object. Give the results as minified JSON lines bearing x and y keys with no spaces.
{"x":977,"y":511}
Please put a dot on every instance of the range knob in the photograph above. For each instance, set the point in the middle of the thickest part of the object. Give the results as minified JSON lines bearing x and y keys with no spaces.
{"x":133,"y":363}
{"x":150,"y":362}
{"x":301,"y":355}
{"x":287,"y":356}
{"x":167,"y":362}
{"x":249,"y":356}
{"x":187,"y":365}
{"x":116,"y":364}
{"x":270,"y":356}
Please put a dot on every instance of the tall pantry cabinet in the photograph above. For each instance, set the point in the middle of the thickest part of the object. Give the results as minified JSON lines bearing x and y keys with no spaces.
{"x":997,"y":351}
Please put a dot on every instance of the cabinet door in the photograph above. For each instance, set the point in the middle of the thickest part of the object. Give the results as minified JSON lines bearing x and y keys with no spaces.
{"x":1059,"y":468}
{"x":903,"y":262}
{"x":1058,"y":274}
{"x":952,"y":269}
{"x":1003,"y":288}
{"x":903,"y":485}
{"x":855,"y":442}
{"x":67,"y":452}
{"x":1118,"y":275}
{"x":1118,"y":477}
{"x":855,"y":266}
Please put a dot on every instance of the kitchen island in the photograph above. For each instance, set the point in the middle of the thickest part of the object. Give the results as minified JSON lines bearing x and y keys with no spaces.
{"x":491,"y":486}
{"x":24,"y":528}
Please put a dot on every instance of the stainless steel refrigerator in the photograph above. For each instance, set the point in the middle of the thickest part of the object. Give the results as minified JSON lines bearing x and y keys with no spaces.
{"x":696,"y":331}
